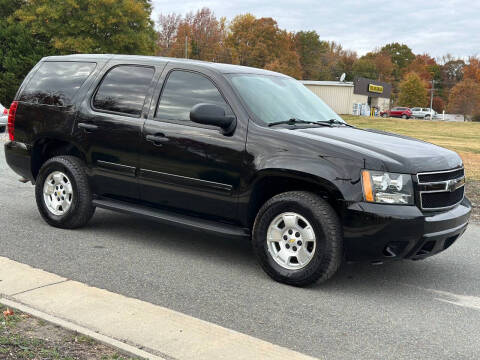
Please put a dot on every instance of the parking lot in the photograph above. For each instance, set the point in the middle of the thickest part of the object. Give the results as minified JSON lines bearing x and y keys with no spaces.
{"x":428,"y":309}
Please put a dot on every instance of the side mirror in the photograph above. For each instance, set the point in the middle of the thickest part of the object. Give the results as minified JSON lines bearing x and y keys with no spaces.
{"x":210,"y":114}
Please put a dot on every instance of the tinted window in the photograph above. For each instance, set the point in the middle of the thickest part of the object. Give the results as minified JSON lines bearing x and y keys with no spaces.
{"x":123,"y":89}
{"x":184,"y":90}
{"x":56,"y":83}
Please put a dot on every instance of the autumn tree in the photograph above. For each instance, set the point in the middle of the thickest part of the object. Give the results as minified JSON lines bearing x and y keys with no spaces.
{"x":167,"y":32}
{"x":260,"y":43}
{"x":412,"y":91}
{"x":472,"y":69}
{"x":204,"y":35}
{"x":465,"y":98}
{"x":92,"y":26}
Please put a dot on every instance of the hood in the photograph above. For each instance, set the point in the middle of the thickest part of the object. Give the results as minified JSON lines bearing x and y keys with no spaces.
{"x":386,"y":151}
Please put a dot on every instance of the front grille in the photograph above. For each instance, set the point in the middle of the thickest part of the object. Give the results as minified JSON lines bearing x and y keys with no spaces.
{"x":440,"y":176}
{"x":442,"y":199}
{"x":442,"y":189}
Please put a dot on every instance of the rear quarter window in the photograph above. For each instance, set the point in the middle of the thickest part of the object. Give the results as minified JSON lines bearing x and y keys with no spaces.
{"x":56,"y":83}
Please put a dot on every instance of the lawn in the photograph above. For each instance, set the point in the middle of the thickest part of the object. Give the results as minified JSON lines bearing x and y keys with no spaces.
{"x":462,"y":137}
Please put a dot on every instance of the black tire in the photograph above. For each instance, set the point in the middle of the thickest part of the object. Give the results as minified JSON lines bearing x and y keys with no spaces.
{"x":81,"y":209}
{"x":427,"y":117}
{"x":384,"y":115}
{"x":404,"y":117}
{"x":2,"y":129}
{"x":328,"y":231}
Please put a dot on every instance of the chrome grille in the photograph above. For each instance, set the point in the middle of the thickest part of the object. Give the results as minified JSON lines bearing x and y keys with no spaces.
{"x":441,"y":189}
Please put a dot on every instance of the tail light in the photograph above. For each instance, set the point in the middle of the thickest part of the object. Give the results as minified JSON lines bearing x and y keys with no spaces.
{"x":11,"y":120}
{"x":5,"y":111}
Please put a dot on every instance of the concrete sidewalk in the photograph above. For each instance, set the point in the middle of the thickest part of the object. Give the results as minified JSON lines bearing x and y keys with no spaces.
{"x":134,"y":326}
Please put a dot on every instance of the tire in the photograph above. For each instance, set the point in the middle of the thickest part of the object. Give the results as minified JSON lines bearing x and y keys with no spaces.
{"x":327,"y":255}
{"x":80,"y":209}
{"x":404,"y":117}
{"x":384,"y":115}
{"x":2,"y":129}
{"x":427,"y":117}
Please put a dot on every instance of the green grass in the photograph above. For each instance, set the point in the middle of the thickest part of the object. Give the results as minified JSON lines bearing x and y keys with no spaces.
{"x":462,"y":137}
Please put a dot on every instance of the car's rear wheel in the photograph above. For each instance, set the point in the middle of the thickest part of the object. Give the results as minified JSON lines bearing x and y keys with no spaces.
{"x":427,"y":117}
{"x":384,"y":115}
{"x":297,"y":238}
{"x":63,"y":194}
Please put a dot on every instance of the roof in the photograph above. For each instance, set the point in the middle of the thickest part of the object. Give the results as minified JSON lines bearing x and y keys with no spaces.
{"x":219,"y":67}
{"x":326,"y":83}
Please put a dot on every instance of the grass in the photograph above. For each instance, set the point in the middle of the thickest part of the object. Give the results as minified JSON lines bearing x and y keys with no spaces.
{"x":25,"y":337}
{"x":462,"y":137}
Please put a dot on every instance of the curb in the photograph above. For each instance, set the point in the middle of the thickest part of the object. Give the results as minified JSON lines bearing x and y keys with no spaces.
{"x":121,"y":346}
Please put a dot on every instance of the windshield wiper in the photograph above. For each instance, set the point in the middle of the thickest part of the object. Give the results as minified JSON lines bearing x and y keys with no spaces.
{"x":294,"y":121}
{"x":337,"y":122}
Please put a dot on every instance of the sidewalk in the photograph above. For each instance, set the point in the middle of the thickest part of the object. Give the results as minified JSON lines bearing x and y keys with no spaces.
{"x":134,"y":326}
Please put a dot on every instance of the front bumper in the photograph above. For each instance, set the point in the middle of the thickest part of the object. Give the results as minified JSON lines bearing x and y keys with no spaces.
{"x":380,"y":232}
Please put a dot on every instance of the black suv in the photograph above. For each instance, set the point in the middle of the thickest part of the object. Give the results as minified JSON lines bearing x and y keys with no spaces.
{"x":232,"y":150}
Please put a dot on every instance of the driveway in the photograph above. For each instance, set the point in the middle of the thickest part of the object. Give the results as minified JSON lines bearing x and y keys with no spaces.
{"x":428,"y":309}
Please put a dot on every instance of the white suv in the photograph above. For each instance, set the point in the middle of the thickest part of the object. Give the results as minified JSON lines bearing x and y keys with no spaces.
{"x":3,"y":118}
{"x":423,"y":113}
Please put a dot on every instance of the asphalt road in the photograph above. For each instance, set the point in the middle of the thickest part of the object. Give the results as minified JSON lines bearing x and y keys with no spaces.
{"x":425,"y":310}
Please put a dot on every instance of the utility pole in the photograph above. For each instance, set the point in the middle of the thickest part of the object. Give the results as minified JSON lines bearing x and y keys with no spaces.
{"x":186,"y":47}
{"x":431,"y":94}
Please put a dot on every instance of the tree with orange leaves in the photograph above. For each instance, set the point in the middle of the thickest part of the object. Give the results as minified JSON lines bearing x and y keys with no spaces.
{"x":465,"y":98}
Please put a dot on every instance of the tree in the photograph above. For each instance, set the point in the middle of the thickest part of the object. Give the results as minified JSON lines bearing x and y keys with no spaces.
{"x":309,"y":48}
{"x":400,"y":54}
{"x":465,"y":98}
{"x":204,"y":33}
{"x":260,"y":43}
{"x":19,"y":52}
{"x":472,"y":69}
{"x":167,"y":32}
{"x":92,"y":26}
{"x":412,"y":91}
{"x":366,"y":68}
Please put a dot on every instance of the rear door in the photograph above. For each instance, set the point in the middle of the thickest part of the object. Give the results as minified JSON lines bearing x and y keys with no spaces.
{"x":191,"y":167}
{"x":110,"y":124}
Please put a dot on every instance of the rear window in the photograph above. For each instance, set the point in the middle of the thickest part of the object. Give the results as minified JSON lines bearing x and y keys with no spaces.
{"x":123,"y":89}
{"x":56,"y":83}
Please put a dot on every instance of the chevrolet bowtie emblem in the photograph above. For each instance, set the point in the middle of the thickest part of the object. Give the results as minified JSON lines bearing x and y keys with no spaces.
{"x":454,"y":184}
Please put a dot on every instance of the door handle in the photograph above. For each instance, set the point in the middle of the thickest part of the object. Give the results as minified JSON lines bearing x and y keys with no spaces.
{"x":157,"y":139}
{"x":87,"y":127}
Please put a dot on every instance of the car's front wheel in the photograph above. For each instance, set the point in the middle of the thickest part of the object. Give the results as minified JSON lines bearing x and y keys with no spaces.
{"x":404,"y":116}
{"x":63,"y":194}
{"x":297,"y":238}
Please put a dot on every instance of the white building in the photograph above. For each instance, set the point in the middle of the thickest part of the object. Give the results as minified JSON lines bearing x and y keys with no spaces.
{"x":352,"y":97}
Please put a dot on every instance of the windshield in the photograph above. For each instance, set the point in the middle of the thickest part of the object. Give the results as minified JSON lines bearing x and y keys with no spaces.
{"x":275,"y":98}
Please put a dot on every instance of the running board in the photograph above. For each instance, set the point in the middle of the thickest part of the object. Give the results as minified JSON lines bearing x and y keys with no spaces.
{"x":169,"y":217}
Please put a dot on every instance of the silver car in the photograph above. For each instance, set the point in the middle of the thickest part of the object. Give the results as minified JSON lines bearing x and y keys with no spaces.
{"x":3,"y":118}
{"x":424,"y":113}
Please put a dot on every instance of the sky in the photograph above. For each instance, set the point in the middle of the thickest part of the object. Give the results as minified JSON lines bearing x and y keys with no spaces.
{"x":426,"y":26}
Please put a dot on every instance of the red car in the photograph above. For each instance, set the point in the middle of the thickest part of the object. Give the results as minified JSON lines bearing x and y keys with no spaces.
{"x":401,"y":112}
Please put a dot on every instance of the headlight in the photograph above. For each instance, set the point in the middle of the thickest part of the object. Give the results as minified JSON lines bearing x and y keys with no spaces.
{"x":387,"y":188}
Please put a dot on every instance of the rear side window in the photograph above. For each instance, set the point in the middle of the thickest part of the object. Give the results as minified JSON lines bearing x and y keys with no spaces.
{"x":183,"y":91}
{"x":123,"y":89}
{"x":56,"y":83}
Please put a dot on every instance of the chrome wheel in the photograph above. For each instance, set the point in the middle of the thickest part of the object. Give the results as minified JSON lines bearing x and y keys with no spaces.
{"x":291,"y":241}
{"x":57,"y":193}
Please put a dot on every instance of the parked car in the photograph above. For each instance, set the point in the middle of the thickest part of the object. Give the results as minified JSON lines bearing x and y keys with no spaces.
{"x":423,"y":113}
{"x":3,"y":118}
{"x":400,"y":112}
{"x":235,"y":151}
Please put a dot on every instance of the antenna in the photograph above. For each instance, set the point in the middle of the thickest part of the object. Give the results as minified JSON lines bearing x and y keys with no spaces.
{"x":342,"y":78}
